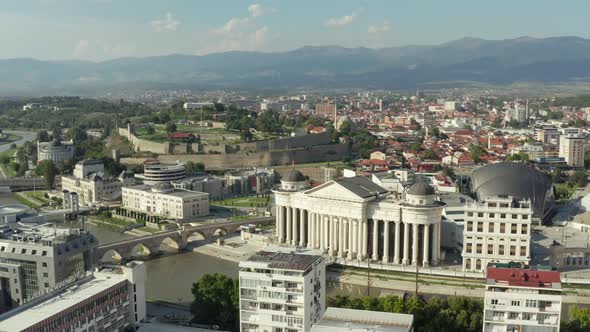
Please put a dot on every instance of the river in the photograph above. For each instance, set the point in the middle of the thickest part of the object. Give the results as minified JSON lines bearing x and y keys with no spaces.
{"x":27,"y":136}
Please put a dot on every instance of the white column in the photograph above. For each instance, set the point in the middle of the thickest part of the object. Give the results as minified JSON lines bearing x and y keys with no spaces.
{"x":435,"y":243}
{"x":288,"y":225}
{"x":355,"y":241}
{"x":375,"y":239}
{"x":426,"y":247}
{"x":386,"y":241}
{"x":302,"y":221}
{"x":310,"y":229}
{"x":406,"y":258}
{"x":365,"y":238}
{"x":415,"y":244}
{"x":397,"y":244}
{"x":341,"y":237}
{"x":326,"y":221}
{"x":294,"y":226}
{"x":438,"y":234}
{"x":350,"y":237}
{"x":278,"y":221}
{"x":318,"y":230}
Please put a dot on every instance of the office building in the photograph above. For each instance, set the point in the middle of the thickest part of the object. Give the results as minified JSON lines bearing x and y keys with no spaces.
{"x":35,"y":258}
{"x":165,"y":201}
{"x":249,"y":181}
{"x":356,"y":219}
{"x":57,"y":151}
{"x":524,"y":300}
{"x":548,"y":135}
{"x":155,"y":172}
{"x":281,"y":292}
{"x":571,"y":147}
{"x":91,"y":183}
{"x":191,"y":106}
{"x":202,"y":182}
{"x":112,"y":299}
{"x":497,"y":230}
{"x":352,"y":320}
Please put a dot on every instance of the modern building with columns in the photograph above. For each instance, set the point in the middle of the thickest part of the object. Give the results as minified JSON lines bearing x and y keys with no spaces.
{"x":355,"y":219}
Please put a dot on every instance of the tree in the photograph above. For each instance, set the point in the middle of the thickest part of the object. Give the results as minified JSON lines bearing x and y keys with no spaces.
{"x":430,"y":155}
{"x":216,"y":301}
{"x":43,"y":136}
{"x":476,"y":152}
{"x":579,"y":319}
{"x":578,"y":179}
{"x":192,"y":167}
{"x":170,"y":128}
{"x":448,"y":171}
{"x":150,"y":130}
{"x":49,"y":171}
{"x":77,"y":134}
{"x":497,"y":122}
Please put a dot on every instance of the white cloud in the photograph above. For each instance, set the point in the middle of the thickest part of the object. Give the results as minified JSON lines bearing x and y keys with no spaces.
{"x":385,"y":27}
{"x":257,"y":9}
{"x":340,"y":21}
{"x":168,"y":23}
{"x":81,"y":49}
{"x":233,"y":25}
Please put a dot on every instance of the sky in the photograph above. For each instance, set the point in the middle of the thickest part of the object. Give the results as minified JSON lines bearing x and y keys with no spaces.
{"x":99,"y":30}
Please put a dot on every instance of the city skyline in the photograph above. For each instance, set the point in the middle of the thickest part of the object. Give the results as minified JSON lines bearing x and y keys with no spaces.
{"x":106,"y":29}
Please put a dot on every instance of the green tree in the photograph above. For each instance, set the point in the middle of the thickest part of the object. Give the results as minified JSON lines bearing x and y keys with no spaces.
{"x":497,"y":122}
{"x":49,"y":171}
{"x":43,"y":136}
{"x":579,"y":319}
{"x":77,"y":134}
{"x":170,"y":128}
{"x":578,"y":179}
{"x":430,"y":155}
{"x":193,"y":167}
{"x":476,"y":151}
{"x":216,"y":301}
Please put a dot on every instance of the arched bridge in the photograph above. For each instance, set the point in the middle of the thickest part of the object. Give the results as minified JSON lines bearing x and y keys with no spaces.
{"x":177,"y":238}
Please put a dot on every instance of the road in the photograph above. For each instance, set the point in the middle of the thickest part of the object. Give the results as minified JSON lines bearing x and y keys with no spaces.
{"x":27,"y":136}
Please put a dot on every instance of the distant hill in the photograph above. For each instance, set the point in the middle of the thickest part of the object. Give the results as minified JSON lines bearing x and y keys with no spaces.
{"x":525,"y":59}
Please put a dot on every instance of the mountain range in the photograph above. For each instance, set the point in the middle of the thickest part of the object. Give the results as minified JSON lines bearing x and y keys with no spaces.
{"x":463,"y":61}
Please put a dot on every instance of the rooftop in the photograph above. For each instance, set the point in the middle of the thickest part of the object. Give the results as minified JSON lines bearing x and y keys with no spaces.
{"x":286,"y":261}
{"x":523,"y":277}
{"x":361,"y":186}
{"x":169,"y":191}
{"x":351,"y":320}
{"x":60,"y":301}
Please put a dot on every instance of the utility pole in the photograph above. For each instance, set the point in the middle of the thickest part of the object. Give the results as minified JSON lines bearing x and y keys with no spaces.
{"x":368,"y":277}
{"x":416,"y":292}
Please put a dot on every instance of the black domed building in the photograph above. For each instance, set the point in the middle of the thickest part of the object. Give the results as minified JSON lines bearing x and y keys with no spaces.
{"x":518,"y":180}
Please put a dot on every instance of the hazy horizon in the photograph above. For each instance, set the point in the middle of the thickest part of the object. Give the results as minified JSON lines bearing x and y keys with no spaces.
{"x":100,"y":30}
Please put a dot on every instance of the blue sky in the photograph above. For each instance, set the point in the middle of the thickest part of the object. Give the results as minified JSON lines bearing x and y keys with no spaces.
{"x":105,"y":29}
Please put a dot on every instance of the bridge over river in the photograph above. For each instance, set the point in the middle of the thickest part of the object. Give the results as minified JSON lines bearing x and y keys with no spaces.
{"x":125,"y":250}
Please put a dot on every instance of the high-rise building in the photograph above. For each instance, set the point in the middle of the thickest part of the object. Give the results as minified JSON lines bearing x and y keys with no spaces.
{"x":519,"y":299}
{"x":325,"y":109}
{"x":281,"y":292}
{"x":112,"y":299}
{"x":497,"y":230}
{"x":548,"y":134}
{"x":34,"y":259}
{"x":571,"y":147}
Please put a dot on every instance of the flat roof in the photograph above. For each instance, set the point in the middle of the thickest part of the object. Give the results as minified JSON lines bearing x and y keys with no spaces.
{"x":352,"y":320}
{"x":173,"y":191}
{"x":361,"y":186}
{"x":61,"y":301}
{"x":286,"y":261}
{"x":523,"y":277}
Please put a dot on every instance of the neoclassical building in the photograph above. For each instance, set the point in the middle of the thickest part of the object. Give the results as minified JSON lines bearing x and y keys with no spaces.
{"x":355,"y":219}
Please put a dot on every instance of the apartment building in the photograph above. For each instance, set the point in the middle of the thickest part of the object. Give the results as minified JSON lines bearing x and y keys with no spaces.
{"x":497,"y":230}
{"x":281,"y":292}
{"x":524,"y":300}
{"x":571,"y":147}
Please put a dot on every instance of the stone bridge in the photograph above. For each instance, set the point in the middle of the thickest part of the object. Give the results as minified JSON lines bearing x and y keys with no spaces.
{"x":125,"y":250}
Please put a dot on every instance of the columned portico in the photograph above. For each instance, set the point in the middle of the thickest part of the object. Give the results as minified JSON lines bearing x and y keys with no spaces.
{"x":386,"y":242}
{"x":375,"y":240}
{"x":426,"y":249}
{"x":397,"y":248}
{"x":406,"y":258}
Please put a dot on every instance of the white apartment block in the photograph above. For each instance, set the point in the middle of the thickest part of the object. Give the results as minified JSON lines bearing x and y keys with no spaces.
{"x":497,"y":230}
{"x":571,"y":147}
{"x":164,"y":200}
{"x":522,"y":300}
{"x":281,"y":292}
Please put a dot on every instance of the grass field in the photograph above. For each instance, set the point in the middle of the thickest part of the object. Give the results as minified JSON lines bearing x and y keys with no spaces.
{"x":248,"y":201}
{"x":25,"y":201}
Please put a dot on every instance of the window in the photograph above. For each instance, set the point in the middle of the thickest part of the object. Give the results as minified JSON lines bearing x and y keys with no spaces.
{"x":469,"y":248}
{"x":469,"y":226}
{"x":46,"y":285}
{"x":530,"y":303}
{"x":45,"y":274}
{"x":480,"y":226}
{"x":513,"y":315}
{"x":470,"y":214}
{"x":478,"y":248}
{"x":44,"y":253}
{"x":490,"y":249}
{"x":523,"y":251}
{"x":494,"y":301}
{"x":515,"y":303}
{"x":480,"y":214}
{"x":502,"y":215}
{"x":44,"y":264}
{"x":513,"y":228}
{"x":512,"y":250}
{"x":527,"y":316}
{"x":514,"y":216}
{"x":502,"y":228}
{"x":34,"y":252}
{"x":492,"y":204}
{"x":525,"y":216}
{"x":490,"y":227}
{"x":492,"y":215}
{"x":524,"y":229}
{"x":501,"y":249}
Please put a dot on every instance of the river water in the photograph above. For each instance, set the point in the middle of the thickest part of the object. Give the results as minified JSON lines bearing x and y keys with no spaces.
{"x":27,"y":136}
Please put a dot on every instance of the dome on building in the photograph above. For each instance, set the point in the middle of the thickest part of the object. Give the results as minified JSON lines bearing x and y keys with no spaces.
{"x":162,"y":188}
{"x":514,"y":179}
{"x":420,"y":188}
{"x":294,"y":176}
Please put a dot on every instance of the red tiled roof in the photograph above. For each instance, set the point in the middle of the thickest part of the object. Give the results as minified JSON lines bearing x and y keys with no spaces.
{"x":523,"y":277}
